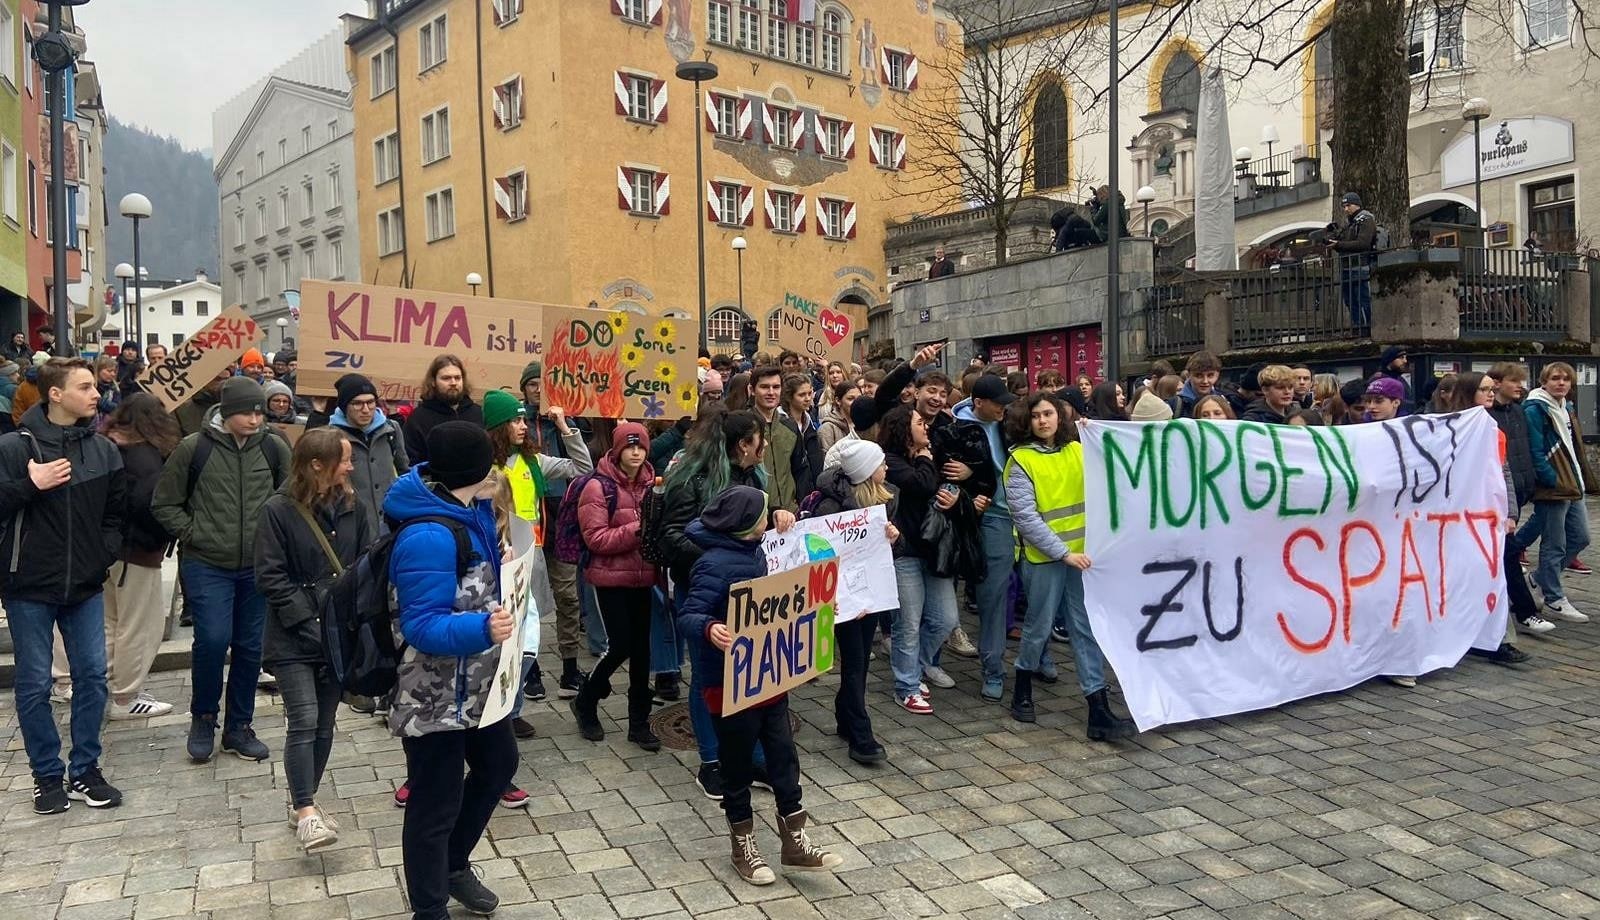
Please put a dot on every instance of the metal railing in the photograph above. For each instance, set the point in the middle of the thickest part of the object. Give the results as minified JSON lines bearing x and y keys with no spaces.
{"x":1175,"y":316}
{"x":1277,"y":171}
{"x":1514,"y":291}
{"x":1309,"y":302}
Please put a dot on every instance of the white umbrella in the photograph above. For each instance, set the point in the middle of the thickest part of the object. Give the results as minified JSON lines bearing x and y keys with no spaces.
{"x":1214,"y":248}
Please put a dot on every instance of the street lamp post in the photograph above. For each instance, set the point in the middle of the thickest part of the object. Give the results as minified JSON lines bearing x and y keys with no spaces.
{"x":698,"y":72}
{"x":1144,"y":196}
{"x":136,"y":207}
{"x":473,"y":280}
{"x":124,"y":272}
{"x":1476,"y":110}
{"x":739,"y":245}
{"x":1113,"y":343}
{"x":56,"y":56}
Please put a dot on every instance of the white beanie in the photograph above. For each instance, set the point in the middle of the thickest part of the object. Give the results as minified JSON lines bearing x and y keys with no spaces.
{"x":1151,"y":408}
{"x":858,"y":459}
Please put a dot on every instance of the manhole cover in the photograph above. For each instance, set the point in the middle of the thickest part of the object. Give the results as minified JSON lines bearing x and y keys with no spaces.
{"x":671,"y":724}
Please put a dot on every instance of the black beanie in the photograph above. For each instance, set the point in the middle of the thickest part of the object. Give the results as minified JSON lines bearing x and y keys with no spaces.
{"x":736,"y":510}
{"x":241,"y":395}
{"x":459,"y":454}
{"x":863,"y":413}
{"x":350,"y":386}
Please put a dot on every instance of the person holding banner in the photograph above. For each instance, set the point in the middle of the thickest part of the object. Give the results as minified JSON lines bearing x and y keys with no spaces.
{"x":729,"y":534}
{"x":1044,"y":485}
{"x":308,"y":532}
{"x":452,"y":628}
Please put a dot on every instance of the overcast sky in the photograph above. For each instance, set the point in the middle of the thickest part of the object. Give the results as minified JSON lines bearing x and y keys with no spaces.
{"x":168,"y":64}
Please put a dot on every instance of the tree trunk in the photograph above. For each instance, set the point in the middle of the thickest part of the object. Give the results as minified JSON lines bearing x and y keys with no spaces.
{"x":1371,"y":109}
{"x":1002,"y":229}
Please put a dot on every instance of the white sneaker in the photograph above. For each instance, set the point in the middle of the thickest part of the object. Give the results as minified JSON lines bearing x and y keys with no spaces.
{"x":314,"y":833}
{"x":939,"y":677}
{"x":1563,"y":610}
{"x":959,"y":644}
{"x":143,"y":706}
{"x":1402,"y":681}
{"x":294,"y":821}
{"x":60,"y":693}
{"x":1536,"y":625}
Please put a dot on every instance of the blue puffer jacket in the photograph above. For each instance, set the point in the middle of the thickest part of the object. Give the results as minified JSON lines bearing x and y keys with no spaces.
{"x":724,"y":561}
{"x":449,"y":662}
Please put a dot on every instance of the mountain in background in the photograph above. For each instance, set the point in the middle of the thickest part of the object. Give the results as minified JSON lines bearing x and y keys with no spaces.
{"x":182,"y":234}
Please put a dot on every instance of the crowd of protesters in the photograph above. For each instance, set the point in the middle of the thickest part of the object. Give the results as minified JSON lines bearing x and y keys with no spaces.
{"x":981,"y":479}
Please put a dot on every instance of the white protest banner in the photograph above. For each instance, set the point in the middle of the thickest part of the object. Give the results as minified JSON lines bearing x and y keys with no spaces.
{"x":1237,"y":566}
{"x":857,"y":539}
{"x":200,"y":358}
{"x":516,"y":595}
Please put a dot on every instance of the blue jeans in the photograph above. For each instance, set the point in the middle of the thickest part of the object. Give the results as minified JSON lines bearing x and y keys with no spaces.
{"x":999,"y":553}
{"x":229,"y":617}
{"x":83,"y":633}
{"x":1562,"y":529}
{"x":927,"y":615}
{"x":1057,"y":588}
{"x":666,"y":648}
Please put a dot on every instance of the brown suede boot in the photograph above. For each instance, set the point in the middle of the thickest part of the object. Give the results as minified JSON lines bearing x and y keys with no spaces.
{"x":747,"y":859}
{"x":798,"y":850}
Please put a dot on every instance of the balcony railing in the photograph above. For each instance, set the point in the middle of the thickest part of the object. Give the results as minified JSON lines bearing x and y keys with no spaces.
{"x":1513,"y":291}
{"x":1296,"y":303}
{"x":1175,"y":316}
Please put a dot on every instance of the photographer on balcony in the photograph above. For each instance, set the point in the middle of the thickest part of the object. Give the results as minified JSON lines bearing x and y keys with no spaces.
{"x":1355,"y":244}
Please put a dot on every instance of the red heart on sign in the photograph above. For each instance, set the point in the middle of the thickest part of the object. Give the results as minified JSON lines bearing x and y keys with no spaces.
{"x":1494,"y":601}
{"x":835,"y":326}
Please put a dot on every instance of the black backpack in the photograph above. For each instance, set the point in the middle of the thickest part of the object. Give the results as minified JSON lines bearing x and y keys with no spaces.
{"x":357,"y":608}
{"x":653,"y":524}
{"x":276,"y":451}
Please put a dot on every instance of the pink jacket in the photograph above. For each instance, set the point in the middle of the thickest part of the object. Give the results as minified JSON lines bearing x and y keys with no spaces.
{"x":613,"y":540}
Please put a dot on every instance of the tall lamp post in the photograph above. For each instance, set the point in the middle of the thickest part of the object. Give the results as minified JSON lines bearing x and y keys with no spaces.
{"x":739,"y":246}
{"x":698,"y":72}
{"x":473,"y":280}
{"x":136,"y":207}
{"x":56,"y":56}
{"x":1476,"y":110}
{"x":1144,"y":196}
{"x":1113,"y":349}
{"x":124,"y":272}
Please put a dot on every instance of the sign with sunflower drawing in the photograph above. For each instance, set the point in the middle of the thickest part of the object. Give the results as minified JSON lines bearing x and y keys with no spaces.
{"x":604,"y":364}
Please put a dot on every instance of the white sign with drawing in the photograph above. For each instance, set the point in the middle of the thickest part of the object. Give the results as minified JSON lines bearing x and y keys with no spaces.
{"x":857,"y":539}
{"x":516,"y":596}
{"x":1505,"y":148}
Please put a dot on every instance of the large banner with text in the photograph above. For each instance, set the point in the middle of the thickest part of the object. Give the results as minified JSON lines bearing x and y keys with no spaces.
{"x":1238,"y":566}
{"x":391,"y":334}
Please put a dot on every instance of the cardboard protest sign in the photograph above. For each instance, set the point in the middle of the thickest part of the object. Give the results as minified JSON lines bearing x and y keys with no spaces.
{"x":1238,"y":566}
{"x":815,"y":331}
{"x":202,"y":356}
{"x":782,"y":629}
{"x":619,"y":365}
{"x":857,"y":539}
{"x":390,"y":335}
{"x":290,"y":433}
{"x":516,"y":594}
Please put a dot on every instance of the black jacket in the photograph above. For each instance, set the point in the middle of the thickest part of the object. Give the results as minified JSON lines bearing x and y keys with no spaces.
{"x":290,"y":564}
{"x":144,"y":540}
{"x":431,"y":412}
{"x":1513,"y":422}
{"x":683,"y":506}
{"x":806,"y":459}
{"x":1359,"y":234}
{"x":664,"y":446}
{"x":966,"y":442}
{"x":917,"y":479}
{"x":1259,"y":411}
{"x":58,"y":545}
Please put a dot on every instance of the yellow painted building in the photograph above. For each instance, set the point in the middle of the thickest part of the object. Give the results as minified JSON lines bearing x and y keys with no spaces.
{"x":549,"y":148}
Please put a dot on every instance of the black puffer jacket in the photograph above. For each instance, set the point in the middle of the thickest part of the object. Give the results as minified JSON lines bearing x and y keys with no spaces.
{"x":431,"y":412}
{"x":917,"y":479}
{"x":58,"y":545}
{"x":290,"y":563}
{"x":683,"y":506}
{"x":144,"y":541}
{"x":1513,"y":424}
{"x":966,"y":442}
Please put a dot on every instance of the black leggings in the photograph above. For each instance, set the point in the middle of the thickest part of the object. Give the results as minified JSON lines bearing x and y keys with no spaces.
{"x":626,"y":613}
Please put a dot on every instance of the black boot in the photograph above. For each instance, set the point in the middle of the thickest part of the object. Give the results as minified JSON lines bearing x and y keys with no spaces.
{"x":1022,"y":697}
{"x":1104,"y":723}
{"x":639,"y":701}
{"x":586,"y":709}
{"x":667,"y":687}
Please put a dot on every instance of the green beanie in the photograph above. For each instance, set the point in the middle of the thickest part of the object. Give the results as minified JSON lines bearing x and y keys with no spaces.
{"x":532,"y":372}
{"x":500,"y":407}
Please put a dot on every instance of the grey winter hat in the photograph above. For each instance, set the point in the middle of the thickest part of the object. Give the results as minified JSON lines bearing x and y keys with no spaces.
{"x":241,"y":396}
{"x":276,"y":388}
{"x":1351,"y":198}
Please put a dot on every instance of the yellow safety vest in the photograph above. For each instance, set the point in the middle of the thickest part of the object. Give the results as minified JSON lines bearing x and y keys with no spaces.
{"x":524,"y":494}
{"x":1057,"y":477}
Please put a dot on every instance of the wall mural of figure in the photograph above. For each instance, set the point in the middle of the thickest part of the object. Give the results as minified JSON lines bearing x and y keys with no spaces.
{"x":867,"y":59}
{"x":680,"y":30}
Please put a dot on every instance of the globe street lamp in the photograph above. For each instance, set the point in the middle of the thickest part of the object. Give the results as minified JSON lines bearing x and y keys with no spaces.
{"x":473,"y":280}
{"x":739,"y":245}
{"x":698,"y":72}
{"x":1144,"y":196}
{"x":136,"y":207}
{"x":1476,"y":110}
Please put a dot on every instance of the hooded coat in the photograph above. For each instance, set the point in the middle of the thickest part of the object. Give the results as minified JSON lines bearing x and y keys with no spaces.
{"x":724,"y":561}
{"x":216,"y":522}
{"x":613,"y":536}
{"x":378,"y":454}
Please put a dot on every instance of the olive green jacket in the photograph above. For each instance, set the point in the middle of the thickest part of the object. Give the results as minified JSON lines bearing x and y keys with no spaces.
{"x":216,"y":523}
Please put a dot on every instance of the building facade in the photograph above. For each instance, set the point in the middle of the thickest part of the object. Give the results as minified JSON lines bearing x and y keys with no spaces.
{"x":173,"y":310}
{"x":286,"y":186}
{"x":88,"y":293}
{"x":552,"y":151}
{"x":13,"y":188}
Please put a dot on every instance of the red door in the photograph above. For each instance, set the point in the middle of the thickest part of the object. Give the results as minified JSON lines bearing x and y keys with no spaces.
{"x":1085,"y":355}
{"x":1046,"y":351}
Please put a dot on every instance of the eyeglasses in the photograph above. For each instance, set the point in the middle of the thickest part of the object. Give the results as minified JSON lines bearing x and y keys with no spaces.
{"x":363,"y":404}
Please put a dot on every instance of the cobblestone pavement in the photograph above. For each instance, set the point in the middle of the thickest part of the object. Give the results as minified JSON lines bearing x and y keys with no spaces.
{"x":1473,"y":795}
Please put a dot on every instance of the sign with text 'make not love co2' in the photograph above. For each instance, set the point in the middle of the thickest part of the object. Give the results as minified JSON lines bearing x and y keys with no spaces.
{"x":782,"y":628}
{"x":391,"y":334}
{"x":815,"y":331}
{"x":605,"y":364}
{"x":1238,"y":566}
{"x":200,"y":358}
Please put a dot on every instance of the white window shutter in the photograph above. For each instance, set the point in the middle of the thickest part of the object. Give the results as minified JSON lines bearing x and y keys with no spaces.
{"x":769,"y":131}
{"x":746,"y":122}
{"x":849,"y":141}
{"x":883,"y":64}
{"x":899,"y":151}
{"x":620,"y":87}
{"x":616,"y":8}
{"x":652,"y":12}
{"x":911,"y":71}
{"x":499,"y":105}
{"x":658,"y":101}
{"x":521,"y":111}
{"x":499,"y":12}
{"x":663,"y":188}
{"x":747,"y":205}
{"x":522,"y":189}
{"x":625,"y":188}
{"x":713,"y":203}
{"x":850,"y":220}
{"x":502,"y":196}
{"x":799,"y":213}
{"x":772,"y":215}
{"x":713,"y":113}
{"x":872,"y":148}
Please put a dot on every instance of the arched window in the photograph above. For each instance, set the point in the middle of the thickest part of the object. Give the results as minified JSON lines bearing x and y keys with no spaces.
{"x":723,"y":325}
{"x":1050,"y":136}
{"x":832,"y":56}
{"x":772,"y":327}
{"x":1180,"y":83}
